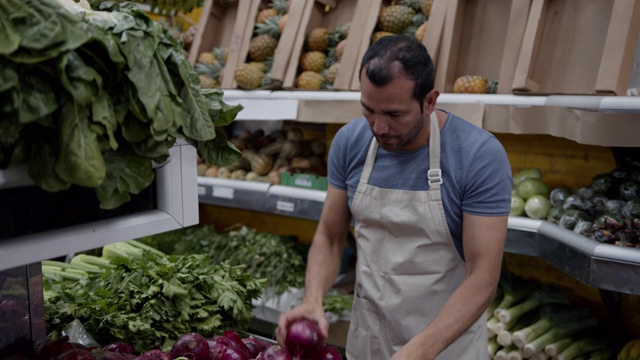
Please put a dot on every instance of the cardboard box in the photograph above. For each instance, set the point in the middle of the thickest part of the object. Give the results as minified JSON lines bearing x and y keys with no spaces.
{"x":215,"y":27}
{"x":328,"y":14}
{"x":578,"y":49}
{"x":480,"y":37}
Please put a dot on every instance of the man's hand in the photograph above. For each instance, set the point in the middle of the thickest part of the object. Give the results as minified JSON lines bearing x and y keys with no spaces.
{"x":313,"y":312}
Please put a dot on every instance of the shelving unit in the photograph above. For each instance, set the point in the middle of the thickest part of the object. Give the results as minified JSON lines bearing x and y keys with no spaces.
{"x":598,"y":265}
{"x":177,"y":206}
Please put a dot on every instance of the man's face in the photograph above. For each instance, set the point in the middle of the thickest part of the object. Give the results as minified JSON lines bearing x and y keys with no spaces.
{"x":393,"y":114}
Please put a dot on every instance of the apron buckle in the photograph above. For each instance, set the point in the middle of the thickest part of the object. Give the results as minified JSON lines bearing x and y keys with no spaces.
{"x":434,"y":176}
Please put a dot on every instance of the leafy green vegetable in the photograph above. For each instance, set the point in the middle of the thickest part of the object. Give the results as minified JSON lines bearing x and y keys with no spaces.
{"x":151,"y":299}
{"x":111,"y":85}
{"x":267,"y":256}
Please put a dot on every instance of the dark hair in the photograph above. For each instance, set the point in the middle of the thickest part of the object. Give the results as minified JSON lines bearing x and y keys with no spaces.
{"x":409,"y":53}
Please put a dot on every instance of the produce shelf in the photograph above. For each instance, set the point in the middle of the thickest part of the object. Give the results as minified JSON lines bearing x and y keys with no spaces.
{"x":602,"y":266}
{"x":176,"y":206}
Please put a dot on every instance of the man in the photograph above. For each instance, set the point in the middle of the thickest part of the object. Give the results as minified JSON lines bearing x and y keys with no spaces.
{"x":430,"y":195}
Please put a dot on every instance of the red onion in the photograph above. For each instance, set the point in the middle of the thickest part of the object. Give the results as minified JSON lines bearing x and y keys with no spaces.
{"x":303,"y":339}
{"x":237,"y":341}
{"x":192,"y":346}
{"x":233,"y":353}
{"x":215,"y":349}
{"x":255,"y":346}
{"x":52,"y":349}
{"x":275,"y":352}
{"x":119,"y":347}
{"x":76,"y":354}
{"x":157,"y":354}
{"x":110,"y":355}
{"x":328,"y":353}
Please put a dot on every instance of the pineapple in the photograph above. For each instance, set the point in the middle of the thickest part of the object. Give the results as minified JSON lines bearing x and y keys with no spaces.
{"x":420,"y":32}
{"x":206,"y":57}
{"x":379,"y":34}
{"x":280,"y":6}
{"x":317,"y":39}
{"x":248,"y":77}
{"x":270,"y":27}
{"x":265,"y":14}
{"x":261,"y":47}
{"x":313,"y":61}
{"x":310,"y":80}
{"x":331,"y":73}
{"x":394,"y":18}
{"x":474,"y":84}
{"x":260,"y":66}
{"x":207,"y":82}
{"x":425,"y":7}
{"x":209,"y":74}
{"x":338,"y":34}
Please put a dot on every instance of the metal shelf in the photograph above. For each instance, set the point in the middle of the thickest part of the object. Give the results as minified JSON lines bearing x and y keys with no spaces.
{"x":177,"y":206}
{"x":602,"y":266}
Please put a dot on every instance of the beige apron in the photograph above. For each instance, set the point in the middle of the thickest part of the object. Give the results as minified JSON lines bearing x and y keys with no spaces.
{"x":407,"y":266}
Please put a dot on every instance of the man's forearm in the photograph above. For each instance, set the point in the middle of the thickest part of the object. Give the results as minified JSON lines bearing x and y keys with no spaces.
{"x":323,"y":266}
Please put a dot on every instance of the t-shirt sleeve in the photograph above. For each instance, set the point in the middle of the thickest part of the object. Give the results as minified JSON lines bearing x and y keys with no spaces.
{"x":488,"y":181}
{"x":337,"y":161}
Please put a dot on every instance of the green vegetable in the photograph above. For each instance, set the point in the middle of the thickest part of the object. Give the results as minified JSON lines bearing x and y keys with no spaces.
{"x":278,"y":259}
{"x":532,"y":186}
{"x":559,"y":195}
{"x":559,"y":332}
{"x":526,"y":174}
{"x":537,"y":207}
{"x":337,"y":303}
{"x":93,"y":97}
{"x":582,"y":347}
{"x":148,"y":299}
{"x":546,"y":322}
{"x":536,"y":299}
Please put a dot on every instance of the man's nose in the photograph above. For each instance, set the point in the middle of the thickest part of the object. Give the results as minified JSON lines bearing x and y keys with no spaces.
{"x":380,"y":126}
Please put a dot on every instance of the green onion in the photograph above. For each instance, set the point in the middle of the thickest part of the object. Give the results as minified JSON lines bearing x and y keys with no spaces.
{"x":546,"y":322}
{"x":533,"y":301}
{"x":557,"y":333}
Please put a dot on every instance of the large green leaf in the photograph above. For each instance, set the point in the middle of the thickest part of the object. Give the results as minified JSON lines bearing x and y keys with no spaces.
{"x":36,"y":98}
{"x":218,"y":151}
{"x":103,"y":112}
{"x":44,"y":146}
{"x":126,"y":174}
{"x":82,"y":81}
{"x":9,"y":39}
{"x":79,"y":160}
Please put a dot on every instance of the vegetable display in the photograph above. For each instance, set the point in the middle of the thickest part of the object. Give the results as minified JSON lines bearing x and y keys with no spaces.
{"x":531,"y":321}
{"x":147,"y":298}
{"x":303,"y":338}
{"x":276,"y":258}
{"x":92,"y":98}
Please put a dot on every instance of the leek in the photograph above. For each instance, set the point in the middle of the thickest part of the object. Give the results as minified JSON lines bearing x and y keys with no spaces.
{"x":582,"y":347}
{"x":511,"y":295}
{"x":503,"y":353}
{"x":515,"y":355}
{"x":533,"y":301}
{"x":603,"y":354}
{"x":556,"y":347}
{"x":89,"y":260}
{"x":493,"y":347}
{"x":557,"y":333}
{"x":545,"y":323}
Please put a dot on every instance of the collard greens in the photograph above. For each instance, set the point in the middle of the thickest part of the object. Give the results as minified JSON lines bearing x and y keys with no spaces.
{"x":91,"y":97}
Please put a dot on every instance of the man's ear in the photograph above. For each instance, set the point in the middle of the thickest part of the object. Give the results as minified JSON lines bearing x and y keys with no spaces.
{"x":429,"y":104}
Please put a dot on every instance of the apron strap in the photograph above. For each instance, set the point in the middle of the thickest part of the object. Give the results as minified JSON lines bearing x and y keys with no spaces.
{"x":434,"y":175}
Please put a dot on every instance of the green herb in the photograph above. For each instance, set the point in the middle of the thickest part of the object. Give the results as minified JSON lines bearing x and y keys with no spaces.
{"x":268,"y":256}
{"x":147,"y":299}
{"x":92,"y":97}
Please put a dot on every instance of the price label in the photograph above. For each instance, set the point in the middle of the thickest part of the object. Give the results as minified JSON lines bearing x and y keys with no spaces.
{"x":222,"y":192}
{"x":202,"y":190}
{"x":285,"y":206}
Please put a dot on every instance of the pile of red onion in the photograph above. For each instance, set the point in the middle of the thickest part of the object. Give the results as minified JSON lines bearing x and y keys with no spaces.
{"x":304,"y":341}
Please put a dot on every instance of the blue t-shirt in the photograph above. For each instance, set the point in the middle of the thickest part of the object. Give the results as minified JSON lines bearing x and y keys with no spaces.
{"x":475,"y":169}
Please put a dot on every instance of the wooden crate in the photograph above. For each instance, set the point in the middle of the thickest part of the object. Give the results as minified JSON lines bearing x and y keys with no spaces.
{"x":328,"y":14}
{"x":476,"y":37}
{"x":578,"y":47}
{"x":283,"y":50}
{"x":215,"y":27}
